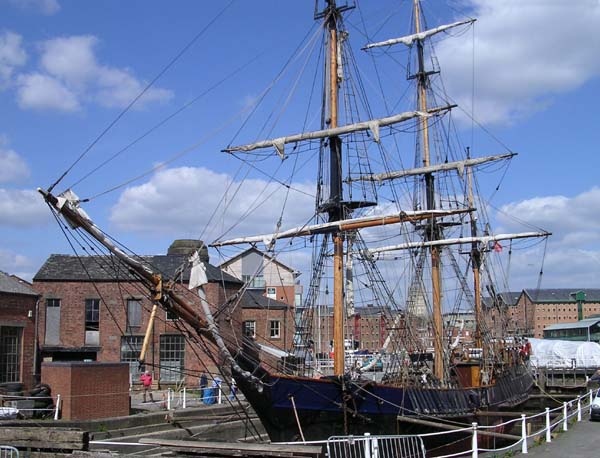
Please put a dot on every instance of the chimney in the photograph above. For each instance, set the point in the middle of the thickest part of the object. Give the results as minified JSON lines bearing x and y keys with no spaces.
{"x":186,"y":247}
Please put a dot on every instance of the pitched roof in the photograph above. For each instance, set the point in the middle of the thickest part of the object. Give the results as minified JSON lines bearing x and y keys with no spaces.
{"x":13,"y":285}
{"x":61,"y":267}
{"x":252,"y":299}
{"x":507,"y":297}
{"x":561,"y":295}
{"x":588,"y":322}
{"x":262,"y":253}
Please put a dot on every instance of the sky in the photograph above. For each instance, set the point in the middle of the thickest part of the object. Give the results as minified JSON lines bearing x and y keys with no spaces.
{"x":68,"y":69}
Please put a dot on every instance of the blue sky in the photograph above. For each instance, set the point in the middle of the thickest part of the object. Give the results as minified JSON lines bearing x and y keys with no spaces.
{"x":67,"y":68}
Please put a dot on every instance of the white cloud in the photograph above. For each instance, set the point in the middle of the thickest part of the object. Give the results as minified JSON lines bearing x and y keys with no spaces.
{"x":22,"y":208}
{"x":46,"y":7}
{"x":16,"y":264}
{"x":70,"y":75}
{"x":182,"y":200}
{"x":572,"y":257}
{"x":70,"y":59}
{"x":12,"y":55}
{"x":525,"y":52}
{"x":12,"y":167}
{"x":42,"y":92}
{"x":571,"y":219}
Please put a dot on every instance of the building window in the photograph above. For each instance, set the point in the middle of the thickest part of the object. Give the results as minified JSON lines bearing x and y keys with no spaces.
{"x":250,"y":328}
{"x":172,"y":355}
{"x":171,"y":316}
{"x":275,"y":329}
{"x":92,"y":321}
{"x":131,"y":346}
{"x":52,"y":302}
{"x":134,"y":314}
{"x":92,"y":314}
{"x":271,"y":293}
{"x":298,"y":299}
{"x":52,"y":334}
{"x":10,"y":354}
{"x":254,"y":281}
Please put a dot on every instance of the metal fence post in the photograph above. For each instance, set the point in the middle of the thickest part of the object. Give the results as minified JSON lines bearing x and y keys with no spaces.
{"x":56,"y":412}
{"x":367,"y":446}
{"x":591,"y":398}
{"x":220,"y":400}
{"x":168,"y":398}
{"x":184,"y":404}
{"x":578,"y":408}
{"x":565,"y":421}
{"x":548,"y":432}
{"x":474,"y":449}
{"x":523,"y":434}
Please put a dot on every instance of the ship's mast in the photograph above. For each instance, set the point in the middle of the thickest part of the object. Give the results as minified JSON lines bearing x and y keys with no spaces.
{"x":476,"y":261}
{"x":334,"y":207}
{"x":433,"y":231}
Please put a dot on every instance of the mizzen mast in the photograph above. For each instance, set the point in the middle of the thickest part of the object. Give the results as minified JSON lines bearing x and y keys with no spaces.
{"x":433,"y":232}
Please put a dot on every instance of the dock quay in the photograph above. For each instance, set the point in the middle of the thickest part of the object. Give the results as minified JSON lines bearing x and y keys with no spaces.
{"x":217,"y":431}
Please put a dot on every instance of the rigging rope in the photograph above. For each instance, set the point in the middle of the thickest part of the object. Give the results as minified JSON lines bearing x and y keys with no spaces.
{"x":136,"y":98}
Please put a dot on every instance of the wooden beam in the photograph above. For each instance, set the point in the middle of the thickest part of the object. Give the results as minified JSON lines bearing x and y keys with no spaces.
{"x":45,"y":438}
{"x":238,"y":448}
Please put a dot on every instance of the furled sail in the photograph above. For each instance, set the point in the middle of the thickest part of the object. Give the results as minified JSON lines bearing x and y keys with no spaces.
{"x":458,"y":241}
{"x":410,"y":39}
{"x":373,"y":125}
{"x":456,"y":165}
{"x":342,"y":225}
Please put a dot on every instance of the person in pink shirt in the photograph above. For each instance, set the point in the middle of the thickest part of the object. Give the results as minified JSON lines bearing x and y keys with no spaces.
{"x":146,"y":379}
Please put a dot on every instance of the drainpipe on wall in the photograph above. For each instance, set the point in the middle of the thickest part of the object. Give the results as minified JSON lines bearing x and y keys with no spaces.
{"x":580,"y":299}
{"x":34,"y":369}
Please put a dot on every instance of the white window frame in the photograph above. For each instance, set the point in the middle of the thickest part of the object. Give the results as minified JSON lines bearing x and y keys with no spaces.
{"x":272,"y":292}
{"x":249,"y":325}
{"x":275,"y":329}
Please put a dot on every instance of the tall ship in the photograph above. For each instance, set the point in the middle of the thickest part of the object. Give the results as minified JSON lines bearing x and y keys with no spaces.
{"x":398,"y":226}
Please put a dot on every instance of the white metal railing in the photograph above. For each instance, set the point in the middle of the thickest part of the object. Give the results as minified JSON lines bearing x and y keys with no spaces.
{"x":368,"y":446}
{"x":10,"y":402}
{"x":6,"y":451}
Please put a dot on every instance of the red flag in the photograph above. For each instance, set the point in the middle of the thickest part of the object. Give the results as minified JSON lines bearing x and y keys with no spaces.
{"x":497,"y":247}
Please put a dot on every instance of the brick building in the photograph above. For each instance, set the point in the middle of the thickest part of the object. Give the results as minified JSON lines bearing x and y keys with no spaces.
{"x":537,"y":309}
{"x":528,"y":312}
{"x":95,"y":309}
{"x":269,"y":321}
{"x":18,"y":305}
{"x":272,"y":294}
{"x":266,"y":274}
{"x":365,"y":330}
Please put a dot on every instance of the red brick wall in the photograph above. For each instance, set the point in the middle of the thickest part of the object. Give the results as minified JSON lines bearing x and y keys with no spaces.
{"x":89,"y":390}
{"x":14,"y":311}
{"x":263,"y":318}
{"x":113,"y":318}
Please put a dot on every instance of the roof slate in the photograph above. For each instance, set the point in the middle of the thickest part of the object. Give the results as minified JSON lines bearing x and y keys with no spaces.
{"x":561,"y":295}
{"x":12,"y":285}
{"x":577,"y":324}
{"x":61,"y":267}
{"x":256,"y":300}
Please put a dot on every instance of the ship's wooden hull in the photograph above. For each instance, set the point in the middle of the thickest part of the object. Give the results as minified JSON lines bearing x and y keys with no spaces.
{"x":329,"y":406}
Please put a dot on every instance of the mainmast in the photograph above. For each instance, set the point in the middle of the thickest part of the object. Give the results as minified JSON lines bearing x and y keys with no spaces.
{"x":334,"y":204}
{"x":433,"y":230}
